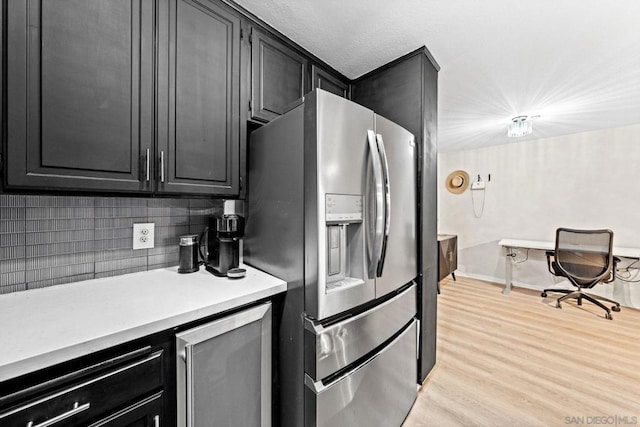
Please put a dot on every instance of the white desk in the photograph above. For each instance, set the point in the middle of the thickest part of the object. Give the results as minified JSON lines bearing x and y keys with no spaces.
{"x":509,"y":244}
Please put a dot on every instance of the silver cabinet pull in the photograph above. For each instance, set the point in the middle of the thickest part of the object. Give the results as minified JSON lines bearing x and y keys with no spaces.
{"x":76,"y":410}
{"x":162,"y":166}
{"x":148,"y":160}
{"x":156,"y":421}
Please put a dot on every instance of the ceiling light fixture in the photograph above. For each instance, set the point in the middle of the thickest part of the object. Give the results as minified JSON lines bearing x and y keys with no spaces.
{"x":520,"y":126}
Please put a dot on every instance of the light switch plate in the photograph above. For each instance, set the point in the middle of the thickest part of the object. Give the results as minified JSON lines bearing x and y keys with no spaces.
{"x":143,"y":235}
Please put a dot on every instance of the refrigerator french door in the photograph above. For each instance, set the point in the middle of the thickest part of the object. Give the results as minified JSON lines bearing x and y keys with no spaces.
{"x":332,"y":210}
{"x":398,"y":264}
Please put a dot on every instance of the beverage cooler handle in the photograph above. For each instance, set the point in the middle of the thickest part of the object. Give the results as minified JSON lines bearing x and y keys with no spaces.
{"x":188,"y":358}
{"x":379,"y":198}
{"x":387,"y":203}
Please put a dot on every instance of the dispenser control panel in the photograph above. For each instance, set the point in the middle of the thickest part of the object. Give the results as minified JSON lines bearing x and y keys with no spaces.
{"x":343,"y":208}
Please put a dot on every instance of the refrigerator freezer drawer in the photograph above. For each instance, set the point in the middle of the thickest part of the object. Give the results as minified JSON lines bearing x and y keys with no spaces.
{"x":334,"y":347}
{"x":379,"y":392}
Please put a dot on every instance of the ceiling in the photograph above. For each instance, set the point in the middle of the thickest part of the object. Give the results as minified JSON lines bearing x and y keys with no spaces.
{"x":576,"y":63}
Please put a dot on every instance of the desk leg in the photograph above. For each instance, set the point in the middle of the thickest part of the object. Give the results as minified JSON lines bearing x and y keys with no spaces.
{"x":507,"y":272}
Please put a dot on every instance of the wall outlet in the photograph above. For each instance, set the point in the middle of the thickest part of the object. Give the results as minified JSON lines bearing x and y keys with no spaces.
{"x":143,"y":235}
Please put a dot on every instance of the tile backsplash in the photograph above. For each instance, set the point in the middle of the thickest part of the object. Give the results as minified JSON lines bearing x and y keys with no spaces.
{"x":52,"y":240}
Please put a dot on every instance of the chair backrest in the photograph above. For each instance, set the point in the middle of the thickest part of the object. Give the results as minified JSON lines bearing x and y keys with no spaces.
{"x":586,"y":256}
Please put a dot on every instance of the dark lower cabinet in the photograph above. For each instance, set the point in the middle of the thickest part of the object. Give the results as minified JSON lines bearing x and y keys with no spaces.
{"x":212,"y":371}
{"x":198,"y":99}
{"x":278,"y":77}
{"x":321,"y":79}
{"x":124,"y":389}
{"x":146,"y":413}
{"x":79,"y":94}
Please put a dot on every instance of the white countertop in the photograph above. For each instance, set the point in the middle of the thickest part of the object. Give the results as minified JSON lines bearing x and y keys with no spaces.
{"x":43,"y":327}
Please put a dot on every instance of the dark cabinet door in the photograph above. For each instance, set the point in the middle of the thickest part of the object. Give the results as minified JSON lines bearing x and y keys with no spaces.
{"x":79,"y":94}
{"x":198,"y":99}
{"x":323,"y":80}
{"x":277,"y":77}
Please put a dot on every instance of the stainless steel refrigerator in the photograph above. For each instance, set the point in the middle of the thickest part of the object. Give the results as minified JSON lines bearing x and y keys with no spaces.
{"x":332,"y":210}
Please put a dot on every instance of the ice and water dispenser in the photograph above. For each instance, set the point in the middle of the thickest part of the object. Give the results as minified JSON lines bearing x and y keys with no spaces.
{"x":345,"y":249}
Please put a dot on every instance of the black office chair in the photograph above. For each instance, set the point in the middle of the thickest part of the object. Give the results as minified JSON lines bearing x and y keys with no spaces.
{"x":585,"y":258}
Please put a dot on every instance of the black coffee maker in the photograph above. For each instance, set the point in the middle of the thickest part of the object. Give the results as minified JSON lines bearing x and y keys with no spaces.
{"x":220,"y":243}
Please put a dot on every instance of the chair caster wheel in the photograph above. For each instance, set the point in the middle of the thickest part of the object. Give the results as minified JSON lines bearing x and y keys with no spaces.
{"x":543,"y":295}
{"x":615,"y":308}
{"x":558,"y":305}
{"x":608,"y":316}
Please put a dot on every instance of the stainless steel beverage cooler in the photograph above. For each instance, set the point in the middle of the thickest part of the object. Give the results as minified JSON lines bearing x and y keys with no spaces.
{"x":332,"y":210}
{"x":224,"y":371}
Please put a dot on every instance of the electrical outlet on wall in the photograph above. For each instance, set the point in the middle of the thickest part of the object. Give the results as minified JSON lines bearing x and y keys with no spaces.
{"x":143,"y":235}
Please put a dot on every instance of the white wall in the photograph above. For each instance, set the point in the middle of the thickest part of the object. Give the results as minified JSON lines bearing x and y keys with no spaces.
{"x":586,"y":180}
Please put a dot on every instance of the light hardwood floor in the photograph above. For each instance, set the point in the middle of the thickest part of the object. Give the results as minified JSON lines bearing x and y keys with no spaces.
{"x":518,"y":361}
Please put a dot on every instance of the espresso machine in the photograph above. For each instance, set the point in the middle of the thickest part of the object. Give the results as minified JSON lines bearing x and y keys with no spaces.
{"x":220,"y":245}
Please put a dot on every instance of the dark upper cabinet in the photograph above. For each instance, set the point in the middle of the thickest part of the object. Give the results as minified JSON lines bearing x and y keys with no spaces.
{"x":278,"y":77}
{"x":79,"y":94}
{"x":198,"y":98}
{"x":329,"y":82}
{"x":94,"y":104}
{"x":141,"y":96}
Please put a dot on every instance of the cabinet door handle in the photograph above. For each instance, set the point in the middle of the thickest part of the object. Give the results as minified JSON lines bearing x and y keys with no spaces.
{"x":162,"y":166}
{"x":156,"y":421}
{"x":148,"y":160}
{"x":76,"y":410}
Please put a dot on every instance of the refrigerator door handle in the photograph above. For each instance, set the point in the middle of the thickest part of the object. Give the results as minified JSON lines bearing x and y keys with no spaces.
{"x":376,"y":239}
{"x":387,"y":204}
{"x":188,"y":358}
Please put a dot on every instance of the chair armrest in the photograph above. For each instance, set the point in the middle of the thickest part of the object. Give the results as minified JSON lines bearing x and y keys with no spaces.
{"x":614,"y":270}
{"x":550,"y":255}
